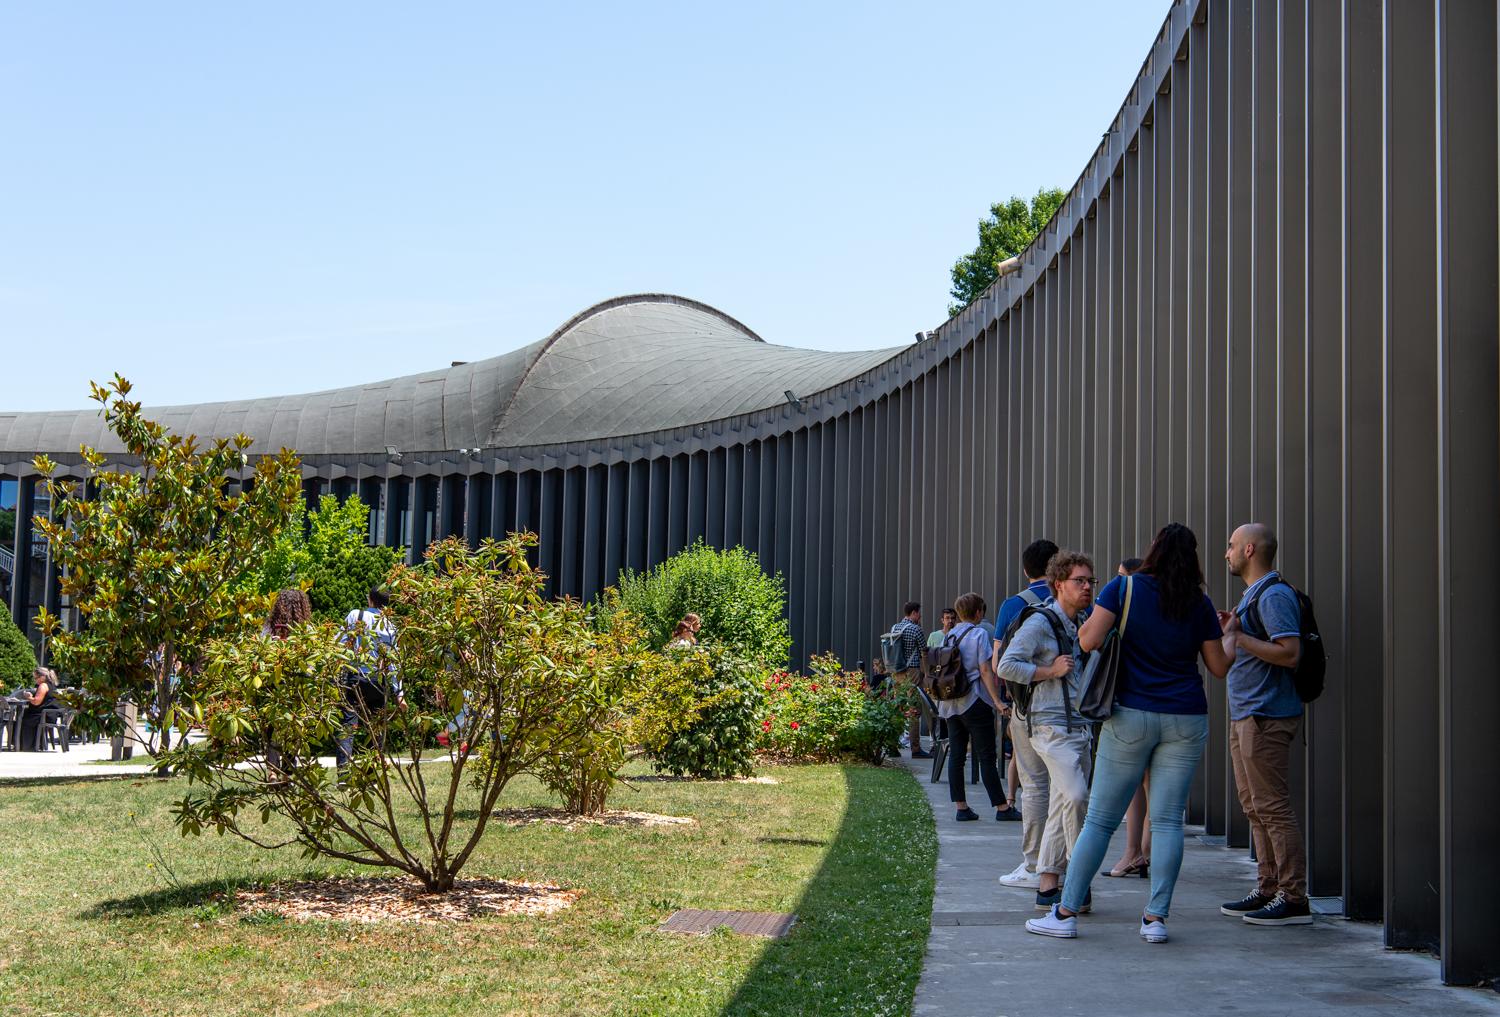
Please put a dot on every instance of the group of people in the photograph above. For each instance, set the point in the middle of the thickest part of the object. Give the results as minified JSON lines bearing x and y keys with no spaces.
{"x":1078,"y":780}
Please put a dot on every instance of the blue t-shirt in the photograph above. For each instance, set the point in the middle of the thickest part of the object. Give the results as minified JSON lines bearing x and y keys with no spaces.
{"x":1159,"y":662}
{"x":1011,"y":608}
{"x":1258,"y":688}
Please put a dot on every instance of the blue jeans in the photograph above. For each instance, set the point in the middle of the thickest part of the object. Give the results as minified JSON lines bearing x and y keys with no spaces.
{"x":1171,"y":744}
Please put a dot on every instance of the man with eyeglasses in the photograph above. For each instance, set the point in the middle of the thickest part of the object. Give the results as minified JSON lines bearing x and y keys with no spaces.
{"x":1026,"y":768}
{"x":1043,"y":654}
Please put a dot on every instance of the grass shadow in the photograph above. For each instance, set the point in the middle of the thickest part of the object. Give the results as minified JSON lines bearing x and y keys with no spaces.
{"x":863,"y":921}
{"x":182,"y":897}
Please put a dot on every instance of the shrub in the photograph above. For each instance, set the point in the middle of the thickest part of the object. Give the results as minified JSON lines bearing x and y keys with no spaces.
{"x":17,"y":660}
{"x":327,"y":552}
{"x":585,"y":770}
{"x":829,"y":714}
{"x":476,"y":649}
{"x":700,"y":715}
{"x":741,"y":607}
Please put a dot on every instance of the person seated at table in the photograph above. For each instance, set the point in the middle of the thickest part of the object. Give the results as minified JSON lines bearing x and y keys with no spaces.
{"x":44,"y":697}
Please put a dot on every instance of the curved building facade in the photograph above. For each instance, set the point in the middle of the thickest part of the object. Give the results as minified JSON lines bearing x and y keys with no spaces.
{"x":1271,"y":294}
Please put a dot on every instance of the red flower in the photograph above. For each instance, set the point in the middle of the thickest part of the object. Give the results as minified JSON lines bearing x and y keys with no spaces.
{"x":765,"y":725}
{"x":814,"y":686}
{"x":794,"y":725}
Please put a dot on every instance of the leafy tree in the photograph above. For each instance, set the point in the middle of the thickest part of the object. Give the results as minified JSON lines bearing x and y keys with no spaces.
{"x":327,"y":551}
{"x":1004,"y":233}
{"x":154,"y":559}
{"x":478,"y":652}
{"x":742,"y":608}
{"x":17,"y":660}
{"x":7,"y":527}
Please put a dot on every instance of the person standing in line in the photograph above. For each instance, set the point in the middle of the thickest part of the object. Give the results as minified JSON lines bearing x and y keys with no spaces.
{"x":1136,"y":860}
{"x":1264,"y":634}
{"x":936,"y":636}
{"x":913,"y":639}
{"x":1043,"y":654}
{"x":1030,"y":774}
{"x":971,"y":717}
{"x":1160,"y":720}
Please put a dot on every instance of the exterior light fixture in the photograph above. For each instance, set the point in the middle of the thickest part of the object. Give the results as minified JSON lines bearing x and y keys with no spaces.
{"x":791,"y":397}
{"x":393,"y":453}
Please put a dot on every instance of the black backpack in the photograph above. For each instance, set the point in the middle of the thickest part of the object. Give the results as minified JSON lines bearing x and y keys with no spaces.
{"x":1312,"y":664}
{"x":943,"y":673}
{"x":1019,"y":693}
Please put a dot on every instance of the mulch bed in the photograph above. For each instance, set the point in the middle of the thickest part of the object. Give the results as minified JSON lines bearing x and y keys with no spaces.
{"x":609,"y":817}
{"x":400,"y":899}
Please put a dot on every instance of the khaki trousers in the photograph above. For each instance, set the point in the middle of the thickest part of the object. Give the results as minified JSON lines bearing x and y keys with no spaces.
{"x":1067,"y":758}
{"x":1031,"y":768}
{"x":1261,"y":750}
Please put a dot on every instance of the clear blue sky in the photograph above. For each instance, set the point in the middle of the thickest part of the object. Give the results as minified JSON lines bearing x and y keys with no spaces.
{"x":223,"y":201}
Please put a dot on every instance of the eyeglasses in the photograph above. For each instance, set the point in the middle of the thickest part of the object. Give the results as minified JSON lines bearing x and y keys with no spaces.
{"x":1083,"y":581}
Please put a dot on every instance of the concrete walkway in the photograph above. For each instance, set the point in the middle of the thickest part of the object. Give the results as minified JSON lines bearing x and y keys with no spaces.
{"x":981,"y":961}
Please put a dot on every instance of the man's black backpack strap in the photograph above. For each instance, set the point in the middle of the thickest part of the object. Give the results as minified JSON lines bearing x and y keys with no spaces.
{"x":1312,"y":663}
{"x":1019,"y":692}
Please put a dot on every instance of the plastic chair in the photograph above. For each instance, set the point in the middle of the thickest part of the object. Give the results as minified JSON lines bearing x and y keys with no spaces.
{"x":10,"y":726}
{"x":56,"y":726}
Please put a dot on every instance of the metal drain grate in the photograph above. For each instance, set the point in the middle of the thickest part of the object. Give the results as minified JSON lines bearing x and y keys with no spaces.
{"x":748,"y":923}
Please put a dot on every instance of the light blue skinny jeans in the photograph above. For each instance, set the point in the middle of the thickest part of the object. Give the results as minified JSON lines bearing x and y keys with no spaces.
{"x":1171,"y":744}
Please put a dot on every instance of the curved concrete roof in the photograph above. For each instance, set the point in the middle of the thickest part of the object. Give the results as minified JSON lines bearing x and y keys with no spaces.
{"x":631,"y":365}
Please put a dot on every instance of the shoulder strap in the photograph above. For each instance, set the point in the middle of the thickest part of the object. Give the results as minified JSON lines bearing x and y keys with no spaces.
{"x":1030,"y":597}
{"x":1064,"y":642}
{"x":1252,"y":609}
{"x":1125,"y":611}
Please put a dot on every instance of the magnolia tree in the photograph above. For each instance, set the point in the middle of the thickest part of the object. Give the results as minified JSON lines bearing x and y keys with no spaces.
{"x":515,"y":682}
{"x":152,"y":557}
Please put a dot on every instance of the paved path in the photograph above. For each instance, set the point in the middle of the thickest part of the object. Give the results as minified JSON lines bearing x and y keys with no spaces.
{"x":981,"y":961}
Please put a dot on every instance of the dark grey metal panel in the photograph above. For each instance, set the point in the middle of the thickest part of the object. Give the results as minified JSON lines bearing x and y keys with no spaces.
{"x":1410,"y":471}
{"x":1364,"y":578}
{"x":1468,"y":426}
{"x":1323,"y":723}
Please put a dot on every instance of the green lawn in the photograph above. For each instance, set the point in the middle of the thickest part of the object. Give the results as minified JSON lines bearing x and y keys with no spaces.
{"x":91,"y":923}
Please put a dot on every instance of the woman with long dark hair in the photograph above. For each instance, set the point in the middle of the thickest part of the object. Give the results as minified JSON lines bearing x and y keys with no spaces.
{"x":1160,"y":720}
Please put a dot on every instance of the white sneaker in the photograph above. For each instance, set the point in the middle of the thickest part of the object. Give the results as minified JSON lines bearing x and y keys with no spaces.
{"x":1052,"y":925}
{"x":1022,"y":877}
{"x":1153,"y":932}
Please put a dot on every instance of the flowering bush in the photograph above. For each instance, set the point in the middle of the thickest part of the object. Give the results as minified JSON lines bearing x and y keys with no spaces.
{"x":829,"y":713}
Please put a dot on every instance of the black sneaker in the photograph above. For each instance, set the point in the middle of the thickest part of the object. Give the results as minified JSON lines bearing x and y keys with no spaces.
{"x":1245,"y":905}
{"x":966,"y":815}
{"x":921,"y":754}
{"x":1281,"y":912}
{"x":1045,"y":901}
{"x":1008,"y":814}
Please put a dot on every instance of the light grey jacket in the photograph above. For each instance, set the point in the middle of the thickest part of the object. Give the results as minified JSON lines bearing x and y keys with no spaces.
{"x":1035,"y":645}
